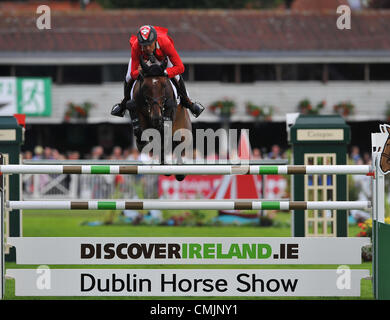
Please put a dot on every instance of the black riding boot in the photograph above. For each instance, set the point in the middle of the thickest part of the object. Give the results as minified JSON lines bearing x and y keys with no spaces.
{"x":119,"y":109}
{"x":195,"y":107}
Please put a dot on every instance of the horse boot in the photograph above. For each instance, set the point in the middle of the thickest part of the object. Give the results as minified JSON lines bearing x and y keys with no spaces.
{"x":195,"y":107}
{"x":119,"y":109}
{"x":132,"y":107}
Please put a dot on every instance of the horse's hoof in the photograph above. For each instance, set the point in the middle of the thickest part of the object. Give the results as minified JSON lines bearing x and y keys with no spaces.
{"x":180,"y":177}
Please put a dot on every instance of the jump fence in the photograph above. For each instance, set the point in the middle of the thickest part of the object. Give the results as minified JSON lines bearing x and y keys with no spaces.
{"x":210,"y":250}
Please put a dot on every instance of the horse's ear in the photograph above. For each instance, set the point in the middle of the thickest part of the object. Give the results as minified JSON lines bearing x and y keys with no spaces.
{"x":384,"y":128}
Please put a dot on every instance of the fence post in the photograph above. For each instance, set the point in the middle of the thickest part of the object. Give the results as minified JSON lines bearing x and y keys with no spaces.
{"x":380,"y":230}
{"x":2,"y":232}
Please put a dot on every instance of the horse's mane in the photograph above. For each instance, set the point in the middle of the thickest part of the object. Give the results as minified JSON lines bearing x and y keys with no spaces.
{"x":155,"y":69}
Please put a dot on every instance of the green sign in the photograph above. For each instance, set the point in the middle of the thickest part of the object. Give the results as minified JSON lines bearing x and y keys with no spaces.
{"x":34,"y":96}
{"x":7,"y":96}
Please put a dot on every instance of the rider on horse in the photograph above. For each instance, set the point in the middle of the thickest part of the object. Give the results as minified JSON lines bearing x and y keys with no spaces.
{"x":154,"y":43}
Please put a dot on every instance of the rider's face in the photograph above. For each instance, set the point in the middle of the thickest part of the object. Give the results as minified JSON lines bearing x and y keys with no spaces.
{"x":148,"y":49}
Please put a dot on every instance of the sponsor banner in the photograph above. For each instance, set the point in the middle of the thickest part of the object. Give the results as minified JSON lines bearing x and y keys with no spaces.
{"x":189,"y":282}
{"x":191,"y":187}
{"x":187,"y":250}
{"x":275,"y":186}
{"x":202,"y":186}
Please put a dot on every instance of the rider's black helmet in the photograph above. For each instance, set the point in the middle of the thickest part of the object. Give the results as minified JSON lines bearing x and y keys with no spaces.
{"x":146,"y":35}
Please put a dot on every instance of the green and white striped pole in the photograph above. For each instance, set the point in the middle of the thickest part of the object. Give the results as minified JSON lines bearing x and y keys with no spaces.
{"x":186,"y":169}
{"x":187,"y":205}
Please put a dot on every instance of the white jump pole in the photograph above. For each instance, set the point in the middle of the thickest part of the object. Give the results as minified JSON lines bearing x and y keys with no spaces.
{"x":186,"y":169}
{"x":186,"y":204}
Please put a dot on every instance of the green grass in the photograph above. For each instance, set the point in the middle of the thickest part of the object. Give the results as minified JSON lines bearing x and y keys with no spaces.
{"x":65,"y":223}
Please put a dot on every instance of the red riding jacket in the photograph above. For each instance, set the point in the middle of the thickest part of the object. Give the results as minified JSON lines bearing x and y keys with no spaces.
{"x":164,"y":48}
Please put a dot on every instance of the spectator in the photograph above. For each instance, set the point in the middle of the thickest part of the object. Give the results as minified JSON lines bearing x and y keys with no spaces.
{"x":47,"y":153}
{"x":366,"y":158}
{"x":355,"y":154}
{"x":256,"y":154}
{"x":27,"y":155}
{"x":57,"y":155}
{"x":97,"y":153}
{"x":275,"y":152}
{"x":116,"y":153}
{"x":73,"y":155}
{"x":126,"y":153}
{"x":38,"y":153}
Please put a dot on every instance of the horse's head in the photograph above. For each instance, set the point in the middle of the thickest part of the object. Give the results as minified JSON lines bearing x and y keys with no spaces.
{"x":385,"y":156}
{"x":155,"y":91}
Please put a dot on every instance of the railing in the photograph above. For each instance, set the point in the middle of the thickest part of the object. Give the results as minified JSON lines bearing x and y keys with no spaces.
{"x":73,"y":186}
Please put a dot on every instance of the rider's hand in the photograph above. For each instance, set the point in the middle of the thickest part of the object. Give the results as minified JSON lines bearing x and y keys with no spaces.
{"x":140,"y":72}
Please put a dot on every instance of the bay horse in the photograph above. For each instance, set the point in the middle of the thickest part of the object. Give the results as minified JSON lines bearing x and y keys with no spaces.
{"x":155,"y":103}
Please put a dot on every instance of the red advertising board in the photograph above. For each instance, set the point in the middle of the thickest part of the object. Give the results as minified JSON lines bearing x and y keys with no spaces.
{"x":220,"y":187}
